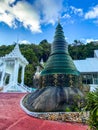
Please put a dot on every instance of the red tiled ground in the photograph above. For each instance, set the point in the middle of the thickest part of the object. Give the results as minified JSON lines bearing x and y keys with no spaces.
{"x":13,"y":118}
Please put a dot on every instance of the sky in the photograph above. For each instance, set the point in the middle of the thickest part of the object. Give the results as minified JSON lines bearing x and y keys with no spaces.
{"x":31,"y":21}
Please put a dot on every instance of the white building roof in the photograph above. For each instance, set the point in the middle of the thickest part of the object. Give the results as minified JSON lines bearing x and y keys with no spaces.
{"x":96,"y":53}
{"x":88,"y":65}
{"x":15,"y":54}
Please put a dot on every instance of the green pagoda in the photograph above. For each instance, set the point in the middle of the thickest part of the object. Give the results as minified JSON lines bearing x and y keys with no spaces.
{"x":60,"y":65}
{"x":59,"y":61}
{"x":59,"y":80}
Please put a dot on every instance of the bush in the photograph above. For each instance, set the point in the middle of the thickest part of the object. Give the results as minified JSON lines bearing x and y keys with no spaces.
{"x":92,"y":106}
{"x":67,"y":109}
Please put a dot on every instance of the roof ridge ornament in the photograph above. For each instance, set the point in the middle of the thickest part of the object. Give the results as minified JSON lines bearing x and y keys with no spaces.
{"x":58,"y":20}
{"x":16,"y":46}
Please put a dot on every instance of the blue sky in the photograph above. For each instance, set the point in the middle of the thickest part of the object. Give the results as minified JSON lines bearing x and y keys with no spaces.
{"x":30,"y":21}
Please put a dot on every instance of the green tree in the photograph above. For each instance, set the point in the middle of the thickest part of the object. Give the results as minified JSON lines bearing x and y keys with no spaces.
{"x":30,"y":70}
{"x":34,"y":52}
{"x":45,"y":49}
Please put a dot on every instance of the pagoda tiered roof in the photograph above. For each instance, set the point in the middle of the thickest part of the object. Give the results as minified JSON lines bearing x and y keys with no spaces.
{"x":59,"y":61}
{"x":15,"y":53}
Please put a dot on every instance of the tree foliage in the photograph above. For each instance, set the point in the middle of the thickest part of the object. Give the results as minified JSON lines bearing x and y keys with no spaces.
{"x":34,"y":53}
{"x":82,"y":51}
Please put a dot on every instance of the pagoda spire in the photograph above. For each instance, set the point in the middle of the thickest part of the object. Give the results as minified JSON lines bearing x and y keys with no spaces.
{"x":59,"y":44}
{"x":59,"y":61}
{"x":58,"y":20}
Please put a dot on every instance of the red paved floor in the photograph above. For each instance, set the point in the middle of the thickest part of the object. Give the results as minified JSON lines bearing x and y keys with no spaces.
{"x":13,"y":118}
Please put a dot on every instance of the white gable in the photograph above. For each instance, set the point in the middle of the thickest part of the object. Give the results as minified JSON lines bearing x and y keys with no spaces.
{"x":16,"y":54}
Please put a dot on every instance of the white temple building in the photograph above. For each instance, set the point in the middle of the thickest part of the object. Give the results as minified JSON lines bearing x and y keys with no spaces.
{"x":89,"y":70}
{"x":10,"y":65}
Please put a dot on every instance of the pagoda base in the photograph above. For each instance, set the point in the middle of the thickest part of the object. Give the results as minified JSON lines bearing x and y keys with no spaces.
{"x":52,"y":99}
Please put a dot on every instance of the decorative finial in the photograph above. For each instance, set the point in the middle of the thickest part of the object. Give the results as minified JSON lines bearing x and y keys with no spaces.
{"x":17,"y":38}
{"x":58,"y":20}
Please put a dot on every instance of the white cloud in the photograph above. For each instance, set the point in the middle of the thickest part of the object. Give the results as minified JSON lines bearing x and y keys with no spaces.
{"x":76,"y":11}
{"x":31,"y":16}
{"x":9,"y":1}
{"x":92,"y":14}
{"x":88,"y":40}
{"x":70,"y":14}
{"x":8,"y":19}
{"x":49,"y":9}
{"x":91,"y":40}
{"x":24,"y":42}
{"x":5,"y":15}
{"x":25,"y":13}
{"x":22,"y":12}
{"x":66,"y":16}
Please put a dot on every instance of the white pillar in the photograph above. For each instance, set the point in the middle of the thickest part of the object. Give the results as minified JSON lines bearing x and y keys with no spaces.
{"x":15,"y":73}
{"x":10,"y":80}
{"x":22,"y":75}
{"x":93,"y":79}
{"x":5,"y":77}
{"x":2,"y":77}
{"x":38,"y":69}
